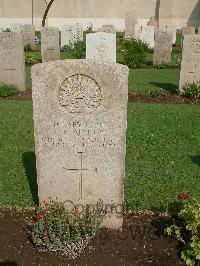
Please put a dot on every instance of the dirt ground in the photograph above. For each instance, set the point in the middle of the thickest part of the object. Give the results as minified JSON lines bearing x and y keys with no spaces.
{"x":133,"y":97}
{"x":141,"y":242}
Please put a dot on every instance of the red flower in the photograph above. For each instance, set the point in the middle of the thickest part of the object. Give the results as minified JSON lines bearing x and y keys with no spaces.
{"x":183,"y":196}
{"x":37,"y":216}
{"x":45,"y":234}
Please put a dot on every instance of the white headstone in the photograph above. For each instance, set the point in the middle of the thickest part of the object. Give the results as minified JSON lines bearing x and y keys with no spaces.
{"x":163,"y":47}
{"x":190,"y":70}
{"x":101,"y":46}
{"x":12,"y":64}
{"x":80,"y":120}
{"x":138,"y":31}
{"x":28,"y":32}
{"x":15,"y":27}
{"x":71,"y":33}
{"x":173,"y":30}
{"x":50,"y":44}
{"x":148,"y":35}
{"x":131,"y":19}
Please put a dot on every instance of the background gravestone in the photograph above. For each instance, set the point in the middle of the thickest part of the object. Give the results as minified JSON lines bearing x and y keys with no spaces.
{"x":101,"y":46}
{"x":78,"y":32}
{"x":131,"y":19}
{"x":108,"y":28}
{"x":15,"y":27}
{"x":173,"y":30}
{"x":162,"y":47}
{"x":138,"y":31}
{"x":80,"y":120}
{"x":1,"y":29}
{"x":147,"y":35}
{"x":190,"y":70}
{"x":71,"y":33}
{"x":67,"y":37}
{"x":50,"y":44}
{"x":12,"y":64}
{"x":28,"y":32}
{"x":188,"y":30}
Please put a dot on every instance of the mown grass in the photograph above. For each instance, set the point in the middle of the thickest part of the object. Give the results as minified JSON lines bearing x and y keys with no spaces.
{"x":148,"y":80}
{"x":163,"y":154}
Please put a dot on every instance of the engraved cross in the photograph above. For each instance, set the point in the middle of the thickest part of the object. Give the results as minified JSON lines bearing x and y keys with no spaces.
{"x":81,"y":171}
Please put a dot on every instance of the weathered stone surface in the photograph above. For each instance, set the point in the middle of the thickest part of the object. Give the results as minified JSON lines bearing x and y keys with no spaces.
{"x":153,"y":22}
{"x":188,"y":30}
{"x":108,"y":28}
{"x":71,"y":33}
{"x":173,"y":30}
{"x":50,"y":45}
{"x":1,"y":29}
{"x":163,"y":47}
{"x":12,"y":65}
{"x":28,"y":32}
{"x":101,"y":46}
{"x":80,"y":119}
{"x":131,"y":19}
{"x":190,"y":70}
{"x":147,"y":35}
{"x":16,"y":27}
{"x":138,"y":31}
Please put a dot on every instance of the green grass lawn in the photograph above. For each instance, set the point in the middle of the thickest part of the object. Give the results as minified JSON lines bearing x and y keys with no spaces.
{"x":163,"y":154}
{"x":162,"y":80}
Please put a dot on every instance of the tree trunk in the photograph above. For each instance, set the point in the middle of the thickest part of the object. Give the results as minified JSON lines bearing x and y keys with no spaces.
{"x":46,"y":13}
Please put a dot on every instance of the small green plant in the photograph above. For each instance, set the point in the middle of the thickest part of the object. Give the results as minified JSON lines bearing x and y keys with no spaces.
{"x":192,"y":91}
{"x":53,"y":229}
{"x":7,"y":90}
{"x":7,"y":30}
{"x":89,"y":29}
{"x":156,"y":93}
{"x":187,"y":230}
{"x":162,"y":66}
{"x":27,"y":48}
{"x":134,"y":52}
{"x":177,"y":60}
{"x":30,"y":59}
{"x":79,"y":50}
{"x":66,"y":48}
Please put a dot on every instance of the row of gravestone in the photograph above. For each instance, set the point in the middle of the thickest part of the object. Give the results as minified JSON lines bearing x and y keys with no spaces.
{"x":99,"y":46}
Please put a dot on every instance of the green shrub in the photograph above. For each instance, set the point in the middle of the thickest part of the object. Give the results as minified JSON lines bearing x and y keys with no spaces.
{"x":7,"y":90}
{"x":156,"y":93}
{"x":162,"y":66}
{"x":66,"y":48}
{"x":53,"y":229}
{"x":79,"y":50}
{"x":187,"y":230}
{"x":7,"y":30}
{"x":134,"y":52}
{"x":192,"y":90}
{"x":89,"y":29}
{"x":30,"y":59}
{"x":27,"y":48}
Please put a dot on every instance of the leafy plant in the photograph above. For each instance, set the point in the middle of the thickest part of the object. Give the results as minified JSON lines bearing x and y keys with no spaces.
{"x":134,"y":52}
{"x":27,"y":48}
{"x":7,"y":90}
{"x":162,"y":66}
{"x":156,"y":93}
{"x":7,"y":30}
{"x":192,"y":90}
{"x":89,"y":29}
{"x":30,"y":58}
{"x":187,"y":230}
{"x":79,"y":50}
{"x":66,"y":48}
{"x":53,"y":229}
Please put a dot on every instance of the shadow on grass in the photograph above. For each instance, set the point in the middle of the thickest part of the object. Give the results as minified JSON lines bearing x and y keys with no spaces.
{"x":29,"y":162}
{"x":195,"y":159}
{"x":8,"y":263}
{"x":171,"y":88}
